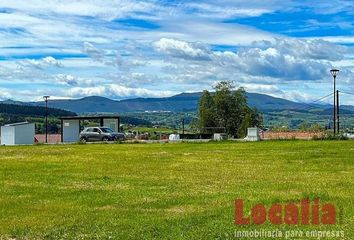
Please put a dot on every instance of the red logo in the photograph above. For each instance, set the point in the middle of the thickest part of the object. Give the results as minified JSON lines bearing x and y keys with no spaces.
{"x":305,"y":212}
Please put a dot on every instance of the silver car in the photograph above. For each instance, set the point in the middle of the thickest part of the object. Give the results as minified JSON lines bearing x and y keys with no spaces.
{"x":95,"y":134}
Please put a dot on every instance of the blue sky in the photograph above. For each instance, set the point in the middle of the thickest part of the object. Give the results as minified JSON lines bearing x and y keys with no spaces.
{"x":129,"y":48}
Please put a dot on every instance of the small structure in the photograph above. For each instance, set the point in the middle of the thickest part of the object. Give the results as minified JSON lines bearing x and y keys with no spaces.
{"x":71,"y":126}
{"x":349,"y":135}
{"x":219,"y":136}
{"x":253,"y":134}
{"x":174,"y":137}
{"x":17,"y":134}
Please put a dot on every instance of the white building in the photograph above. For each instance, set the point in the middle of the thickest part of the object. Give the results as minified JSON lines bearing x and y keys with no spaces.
{"x":219,"y":136}
{"x":253,"y":134}
{"x":174,"y":137}
{"x":17,"y":134}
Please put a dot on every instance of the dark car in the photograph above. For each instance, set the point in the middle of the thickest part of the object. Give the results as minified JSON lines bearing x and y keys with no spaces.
{"x":93,"y":134}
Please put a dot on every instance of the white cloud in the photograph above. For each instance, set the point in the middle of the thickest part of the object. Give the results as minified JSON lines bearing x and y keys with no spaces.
{"x":93,"y":52}
{"x":107,"y":10}
{"x":182,"y":49}
{"x":261,"y":88}
{"x":209,"y":32}
{"x":274,"y":63}
{"x":52,"y":61}
{"x":331,"y":7}
{"x":316,"y":49}
{"x":336,"y":39}
{"x":5,"y":94}
{"x":285,"y":59}
{"x":41,"y":64}
{"x":298,"y":96}
{"x":33,"y":24}
{"x":66,"y":79}
{"x":229,"y":9}
{"x":20,"y":71}
{"x":184,"y":35}
{"x":116,"y":91}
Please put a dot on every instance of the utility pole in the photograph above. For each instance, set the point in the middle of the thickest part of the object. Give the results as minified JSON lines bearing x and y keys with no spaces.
{"x":183,"y":126}
{"x":46,"y":118}
{"x":334,"y":73}
{"x":337,"y":111}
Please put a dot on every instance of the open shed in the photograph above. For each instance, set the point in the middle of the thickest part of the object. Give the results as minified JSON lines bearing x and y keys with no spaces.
{"x":71,"y":126}
{"x":17,"y":133}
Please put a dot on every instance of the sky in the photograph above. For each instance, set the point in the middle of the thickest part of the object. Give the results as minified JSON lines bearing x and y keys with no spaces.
{"x":128,"y":48}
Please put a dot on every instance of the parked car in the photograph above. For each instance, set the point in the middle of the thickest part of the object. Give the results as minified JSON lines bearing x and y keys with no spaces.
{"x":93,"y":134}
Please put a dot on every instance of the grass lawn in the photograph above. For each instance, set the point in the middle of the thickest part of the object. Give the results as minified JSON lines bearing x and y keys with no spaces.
{"x":166,"y":191}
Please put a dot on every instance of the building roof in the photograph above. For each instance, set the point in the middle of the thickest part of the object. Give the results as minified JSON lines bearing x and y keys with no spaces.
{"x":17,"y":124}
{"x":90,"y":117}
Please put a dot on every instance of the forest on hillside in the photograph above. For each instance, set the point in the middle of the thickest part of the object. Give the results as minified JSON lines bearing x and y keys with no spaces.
{"x":33,"y":110}
{"x":12,"y":113}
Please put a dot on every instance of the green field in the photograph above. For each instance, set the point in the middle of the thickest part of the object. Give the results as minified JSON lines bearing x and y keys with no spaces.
{"x":166,"y":191}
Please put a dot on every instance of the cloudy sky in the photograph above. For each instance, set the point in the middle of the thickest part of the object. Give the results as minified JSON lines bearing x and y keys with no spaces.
{"x":129,"y":48}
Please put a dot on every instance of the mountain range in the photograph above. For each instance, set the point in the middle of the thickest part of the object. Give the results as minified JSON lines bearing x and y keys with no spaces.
{"x":179,"y":103}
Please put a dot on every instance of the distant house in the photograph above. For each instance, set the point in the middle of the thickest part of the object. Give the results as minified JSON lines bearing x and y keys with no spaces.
{"x":17,"y":133}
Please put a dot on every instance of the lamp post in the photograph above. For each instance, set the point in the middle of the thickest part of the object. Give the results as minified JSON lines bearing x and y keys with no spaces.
{"x":334,"y":73}
{"x":337,"y":110}
{"x":46,"y":117}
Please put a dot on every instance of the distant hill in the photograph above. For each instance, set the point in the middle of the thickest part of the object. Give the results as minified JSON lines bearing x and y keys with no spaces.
{"x":9,"y":101}
{"x":15,"y":109}
{"x":348,"y":107}
{"x":170,"y":110}
{"x":343,"y":110}
{"x":179,"y":103}
{"x":104,"y":105}
{"x":135,"y":121}
{"x":11,"y":112}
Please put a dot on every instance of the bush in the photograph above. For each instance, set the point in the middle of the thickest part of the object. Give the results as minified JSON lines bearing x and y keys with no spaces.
{"x":330,"y":137}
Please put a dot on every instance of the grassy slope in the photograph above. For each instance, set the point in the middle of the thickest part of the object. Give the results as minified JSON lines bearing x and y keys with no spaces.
{"x":175,"y":191}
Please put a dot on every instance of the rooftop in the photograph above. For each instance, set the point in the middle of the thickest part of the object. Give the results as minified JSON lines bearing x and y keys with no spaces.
{"x":90,"y":117}
{"x":17,"y":124}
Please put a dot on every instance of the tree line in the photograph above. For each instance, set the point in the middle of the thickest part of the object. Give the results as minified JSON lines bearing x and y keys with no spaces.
{"x":33,"y":110}
{"x":12,"y":113}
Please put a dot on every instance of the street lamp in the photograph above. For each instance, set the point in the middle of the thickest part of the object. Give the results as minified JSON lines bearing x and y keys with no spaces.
{"x":334,"y":73}
{"x":46,"y":117}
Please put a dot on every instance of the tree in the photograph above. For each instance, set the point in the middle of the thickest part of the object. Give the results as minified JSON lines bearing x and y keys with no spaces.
{"x":222,"y":99}
{"x":316,"y":128}
{"x":256,"y":117}
{"x":206,"y":112}
{"x":304,"y":126}
{"x":227,"y":109}
{"x":246,"y":123}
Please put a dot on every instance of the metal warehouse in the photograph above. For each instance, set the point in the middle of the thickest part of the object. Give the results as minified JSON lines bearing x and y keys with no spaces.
{"x":17,"y":134}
